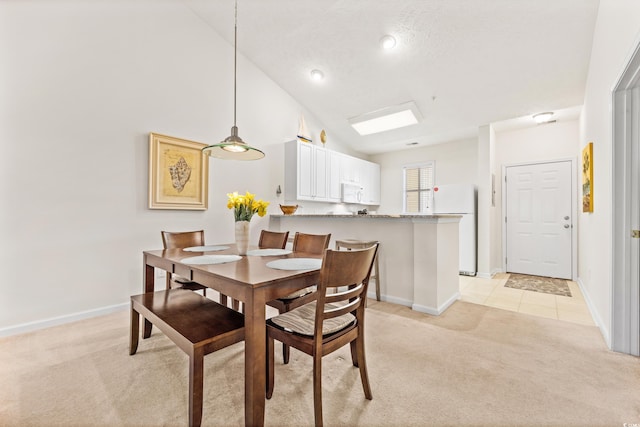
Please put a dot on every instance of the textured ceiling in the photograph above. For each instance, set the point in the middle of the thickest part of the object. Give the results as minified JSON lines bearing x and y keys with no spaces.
{"x":465,"y":63}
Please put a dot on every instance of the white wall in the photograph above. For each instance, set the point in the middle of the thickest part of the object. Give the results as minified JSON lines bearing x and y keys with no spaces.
{"x":617,"y":33}
{"x":455,"y":164}
{"x":83,"y":82}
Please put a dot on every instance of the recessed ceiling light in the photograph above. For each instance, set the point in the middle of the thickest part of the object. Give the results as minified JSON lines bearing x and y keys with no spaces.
{"x":386,"y":119}
{"x":388,"y":42}
{"x":543,"y":117}
{"x":317,"y":75}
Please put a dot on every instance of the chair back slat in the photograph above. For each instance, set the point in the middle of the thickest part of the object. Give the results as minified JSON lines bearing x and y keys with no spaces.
{"x":311,"y":243}
{"x":352,"y":292}
{"x":273,"y":239}
{"x":343,"y":309}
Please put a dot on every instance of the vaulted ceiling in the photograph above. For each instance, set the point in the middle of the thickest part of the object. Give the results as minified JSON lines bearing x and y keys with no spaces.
{"x":465,"y":63}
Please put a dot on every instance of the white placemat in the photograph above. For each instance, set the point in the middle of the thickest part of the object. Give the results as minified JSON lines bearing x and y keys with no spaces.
{"x":206,"y":248}
{"x":269,"y":252}
{"x":296,"y":264}
{"x":211,"y":259}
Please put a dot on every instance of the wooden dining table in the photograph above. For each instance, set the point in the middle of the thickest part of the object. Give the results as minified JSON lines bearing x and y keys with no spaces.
{"x":249,"y":280}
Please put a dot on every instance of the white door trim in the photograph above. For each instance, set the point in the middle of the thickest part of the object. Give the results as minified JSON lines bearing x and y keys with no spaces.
{"x":625,"y":286}
{"x":574,"y":210}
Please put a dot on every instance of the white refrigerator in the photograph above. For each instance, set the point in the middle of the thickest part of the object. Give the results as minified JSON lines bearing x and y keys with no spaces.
{"x":460,"y":199}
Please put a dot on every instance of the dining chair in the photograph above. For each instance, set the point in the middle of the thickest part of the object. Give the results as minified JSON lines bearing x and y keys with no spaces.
{"x":273,"y":239}
{"x":186,"y":239}
{"x":312,"y":244}
{"x":330,"y":322}
{"x":196,"y":324}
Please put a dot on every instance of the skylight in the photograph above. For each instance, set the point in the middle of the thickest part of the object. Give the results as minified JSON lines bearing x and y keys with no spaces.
{"x":386,"y":119}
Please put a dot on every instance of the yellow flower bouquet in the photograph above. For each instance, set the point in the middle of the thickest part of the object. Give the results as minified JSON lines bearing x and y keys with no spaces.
{"x":244,"y":206}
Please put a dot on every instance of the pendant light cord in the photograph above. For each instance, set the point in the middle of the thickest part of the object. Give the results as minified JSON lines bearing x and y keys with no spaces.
{"x":235,"y":62}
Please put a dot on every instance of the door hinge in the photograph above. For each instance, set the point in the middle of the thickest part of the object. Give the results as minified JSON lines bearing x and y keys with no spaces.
{"x":505,"y":219}
{"x":635,"y":234}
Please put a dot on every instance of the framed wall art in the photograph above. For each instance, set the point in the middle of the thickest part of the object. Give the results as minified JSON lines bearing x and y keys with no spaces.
{"x":587,"y":178}
{"x":178,"y":174}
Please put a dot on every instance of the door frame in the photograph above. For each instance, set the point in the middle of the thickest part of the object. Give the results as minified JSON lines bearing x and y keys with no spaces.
{"x":574,"y":210}
{"x":625,"y":280}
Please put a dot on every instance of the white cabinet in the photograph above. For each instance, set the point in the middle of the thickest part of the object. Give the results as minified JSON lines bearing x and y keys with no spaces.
{"x":306,"y":172}
{"x":320,"y":165}
{"x":372,"y":184}
{"x":333,"y":175}
{"x":365,"y":174}
{"x":303,"y":182}
{"x":315,"y":173}
{"x":351,"y":169}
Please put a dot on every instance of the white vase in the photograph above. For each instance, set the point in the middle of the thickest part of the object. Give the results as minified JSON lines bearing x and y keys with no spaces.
{"x":242,"y":236}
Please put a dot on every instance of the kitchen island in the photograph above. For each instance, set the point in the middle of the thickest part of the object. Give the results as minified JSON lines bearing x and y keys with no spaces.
{"x":418,"y":253}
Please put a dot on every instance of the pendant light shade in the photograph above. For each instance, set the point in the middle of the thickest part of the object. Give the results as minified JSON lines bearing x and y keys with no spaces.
{"x":233,"y":147}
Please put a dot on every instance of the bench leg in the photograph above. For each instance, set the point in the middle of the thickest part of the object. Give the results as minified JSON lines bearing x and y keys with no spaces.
{"x":196,"y":376}
{"x":135,"y":331}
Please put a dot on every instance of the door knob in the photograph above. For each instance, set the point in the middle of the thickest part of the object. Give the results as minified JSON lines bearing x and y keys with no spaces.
{"x":566,"y":226}
{"x":566,"y":218}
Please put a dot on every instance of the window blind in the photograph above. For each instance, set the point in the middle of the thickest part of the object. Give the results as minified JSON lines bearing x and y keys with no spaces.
{"x":418,"y":187}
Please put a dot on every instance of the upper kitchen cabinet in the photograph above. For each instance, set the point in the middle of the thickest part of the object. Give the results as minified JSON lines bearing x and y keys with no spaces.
{"x":365,"y":174}
{"x":333,"y":175}
{"x":372,"y":184}
{"x":307,"y":172}
{"x":350,"y":169}
{"x":315,"y":173}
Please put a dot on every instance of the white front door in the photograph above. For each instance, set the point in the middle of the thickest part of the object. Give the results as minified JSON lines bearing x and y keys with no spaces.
{"x":539,"y":223}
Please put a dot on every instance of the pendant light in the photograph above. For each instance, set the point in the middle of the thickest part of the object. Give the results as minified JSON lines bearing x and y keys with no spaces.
{"x":233,"y":147}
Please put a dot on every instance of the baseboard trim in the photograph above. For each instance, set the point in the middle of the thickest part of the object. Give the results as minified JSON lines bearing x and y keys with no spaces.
{"x":436,"y":311}
{"x":60,"y":320}
{"x":392,"y":300}
{"x":594,"y":314}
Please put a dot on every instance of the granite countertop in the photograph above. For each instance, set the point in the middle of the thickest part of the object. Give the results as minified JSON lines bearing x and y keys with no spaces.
{"x":373,"y":216}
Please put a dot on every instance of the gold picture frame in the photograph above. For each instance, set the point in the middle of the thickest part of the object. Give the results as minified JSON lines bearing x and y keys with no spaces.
{"x":178,"y":174}
{"x":587,"y":178}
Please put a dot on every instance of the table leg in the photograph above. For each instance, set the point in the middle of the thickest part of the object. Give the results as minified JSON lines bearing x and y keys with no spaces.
{"x":255,"y":360}
{"x":196,"y":379}
{"x":148,"y":286}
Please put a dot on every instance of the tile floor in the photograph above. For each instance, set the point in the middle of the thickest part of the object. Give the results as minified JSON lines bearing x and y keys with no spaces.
{"x":493,"y":293}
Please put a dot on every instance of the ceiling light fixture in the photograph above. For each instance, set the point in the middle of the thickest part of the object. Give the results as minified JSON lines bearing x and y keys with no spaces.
{"x":317,"y":75}
{"x":385,"y":119}
{"x":233,"y":147}
{"x":388,"y":42}
{"x":543,"y":117}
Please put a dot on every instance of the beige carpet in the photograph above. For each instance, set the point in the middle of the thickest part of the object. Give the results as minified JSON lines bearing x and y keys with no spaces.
{"x":547,"y":285}
{"x":471,"y":366}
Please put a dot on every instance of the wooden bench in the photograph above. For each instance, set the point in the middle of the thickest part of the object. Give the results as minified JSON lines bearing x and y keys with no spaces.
{"x":196,"y":324}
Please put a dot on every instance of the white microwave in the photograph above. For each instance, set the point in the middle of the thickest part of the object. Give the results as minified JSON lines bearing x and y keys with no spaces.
{"x":351,"y":193}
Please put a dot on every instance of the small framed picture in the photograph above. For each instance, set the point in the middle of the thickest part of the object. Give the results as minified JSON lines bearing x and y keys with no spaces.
{"x":587,"y":178}
{"x":178,"y":173}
